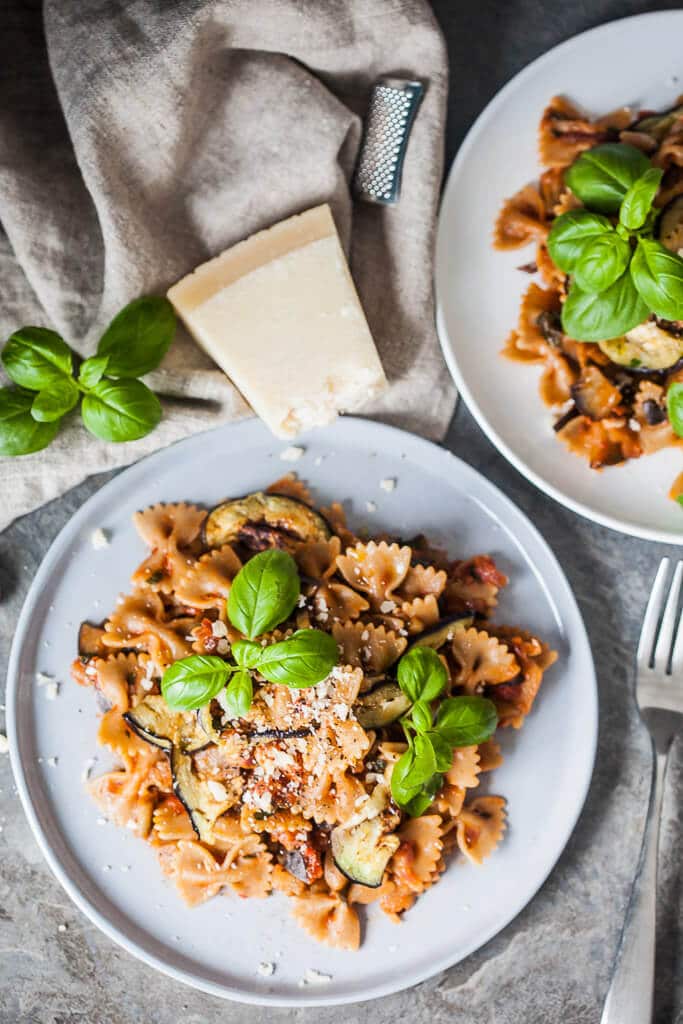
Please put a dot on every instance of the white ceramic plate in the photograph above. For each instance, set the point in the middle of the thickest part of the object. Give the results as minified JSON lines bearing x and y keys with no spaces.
{"x":218,"y":946}
{"x":637,"y":61}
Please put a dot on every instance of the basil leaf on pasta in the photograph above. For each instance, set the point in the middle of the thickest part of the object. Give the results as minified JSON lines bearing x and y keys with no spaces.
{"x":303,"y":659}
{"x":463,"y":721}
{"x":264,"y":593}
{"x":192,"y":682}
{"x":421,"y":674}
{"x":239,"y":694}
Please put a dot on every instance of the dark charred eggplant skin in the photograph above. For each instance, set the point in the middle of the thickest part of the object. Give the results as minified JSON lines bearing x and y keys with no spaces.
{"x":438,"y":635}
{"x":188,"y":790}
{"x":259,"y":519}
{"x":163,"y":742}
{"x":280,"y":734}
{"x":550,"y":326}
{"x":657,"y":125}
{"x":90,"y":641}
{"x":566,"y":418}
{"x":152,"y":720}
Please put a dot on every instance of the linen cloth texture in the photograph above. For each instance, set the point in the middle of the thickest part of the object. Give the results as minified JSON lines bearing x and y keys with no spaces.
{"x":138,"y":139}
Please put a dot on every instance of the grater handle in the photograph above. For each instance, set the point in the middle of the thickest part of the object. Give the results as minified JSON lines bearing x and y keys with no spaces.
{"x":390,"y":116}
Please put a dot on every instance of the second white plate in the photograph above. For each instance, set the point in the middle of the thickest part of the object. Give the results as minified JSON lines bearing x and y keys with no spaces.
{"x":638,"y":62}
{"x":217,"y":947}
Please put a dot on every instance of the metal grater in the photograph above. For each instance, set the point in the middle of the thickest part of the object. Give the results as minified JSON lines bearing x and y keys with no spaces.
{"x":390,"y":116}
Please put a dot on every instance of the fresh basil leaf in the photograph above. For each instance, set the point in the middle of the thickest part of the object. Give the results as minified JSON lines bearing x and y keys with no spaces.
{"x":443,"y":752}
{"x":239,"y":694}
{"x":246,"y":653}
{"x":424,"y":765}
{"x":638,"y":201}
{"x":674,"y":407}
{"x":570,"y":234}
{"x":602,"y":176}
{"x":56,"y":401}
{"x":120,"y":410}
{"x":192,"y":682}
{"x":591,"y":316}
{"x":658,"y":275}
{"x":602,"y":261}
{"x":264,"y":593}
{"x":403,"y":788}
{"x":303,"y":659}
{"x":92,"y":371}
{"x":138,"y":338}
{"x":463,"y":721}
{"x":419,"y":804}
{"x":36,"y":358}
{"x":421,"y":716}
{"x":421,"y":674}
{"x":20,"y":434}
{"x":679,"y":499}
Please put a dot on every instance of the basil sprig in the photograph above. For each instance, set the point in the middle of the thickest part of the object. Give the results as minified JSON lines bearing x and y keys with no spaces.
{"x":116,"y":405}
{"x":459,"y":722}
{"x":619,"y":273}
{"x":263,"y":594}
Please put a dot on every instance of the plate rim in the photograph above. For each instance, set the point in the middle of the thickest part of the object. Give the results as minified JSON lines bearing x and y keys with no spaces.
{"x":660,"y":536}
{"x":58,"y":865}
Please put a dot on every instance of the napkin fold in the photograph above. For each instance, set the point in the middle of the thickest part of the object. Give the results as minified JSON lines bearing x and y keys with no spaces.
{"x":137,"y":139}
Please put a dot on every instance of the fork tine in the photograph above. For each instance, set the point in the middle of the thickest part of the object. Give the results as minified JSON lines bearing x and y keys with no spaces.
{"x":666,"y":630}
{"x":648,"y":632}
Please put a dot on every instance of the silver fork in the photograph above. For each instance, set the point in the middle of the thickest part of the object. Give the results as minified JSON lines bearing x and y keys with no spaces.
{"x":659,"y":692}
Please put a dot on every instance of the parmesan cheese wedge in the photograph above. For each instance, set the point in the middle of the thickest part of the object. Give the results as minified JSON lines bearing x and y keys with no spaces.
{"x":280,"y":315}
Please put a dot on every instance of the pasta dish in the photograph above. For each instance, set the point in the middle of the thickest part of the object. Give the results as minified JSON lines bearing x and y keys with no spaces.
{"x":295,"y":709}
{"x":605,"y":318}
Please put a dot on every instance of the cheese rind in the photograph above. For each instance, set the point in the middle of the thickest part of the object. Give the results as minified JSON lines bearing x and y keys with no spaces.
{"x":280,"y":315}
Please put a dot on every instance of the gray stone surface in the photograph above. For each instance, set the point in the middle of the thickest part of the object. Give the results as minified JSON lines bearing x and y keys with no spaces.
{"x":552,"y":963}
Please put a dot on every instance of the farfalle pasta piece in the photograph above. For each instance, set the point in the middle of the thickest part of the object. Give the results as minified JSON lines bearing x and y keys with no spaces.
{"x":291,"y":486}
{"x":123,"y":798}
{"x":449,"y":800}
{"x":327,"y":918}
{"x":482,"y":660}
{"x":375,"y":569}
{"x":336,"y":601}
{"x":490,"y":755}
{"x":480,"y":827}
{"x":420,"y":613}
{"x":317,"y":558}
{"x":193,"y":869}
{"x":121,"y":676}
{"x":138,"y":622}
{"x":465,"y":768}
{"x":206,"y":584}
{"x":521,"y":220}
{"x":414,"y":863}
{"x":171,"y":822}
{"x":422,"y":581}
{"x":514,"y":701}
{"x":564,"y":132}
{"x":473,"y":585}
{"x":372,"y":648}
{"x":171,"y":531}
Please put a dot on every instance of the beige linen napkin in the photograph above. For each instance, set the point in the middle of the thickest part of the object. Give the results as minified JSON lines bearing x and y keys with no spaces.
{"x":137,"y":139}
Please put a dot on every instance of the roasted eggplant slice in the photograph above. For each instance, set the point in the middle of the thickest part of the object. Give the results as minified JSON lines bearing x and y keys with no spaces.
{"x":153,"y":721}
{"x":90,"y":641}
{"x":381,"y":706}
{"x":261,"y":521}
{"x":671,"y":225}
{"x":440,"y":634}
{"x":657,"y":125}
{"x":594,"y":395}
{"x":363,"y":852}
{"x":648,"y":346}
{"x":193,"y":795}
